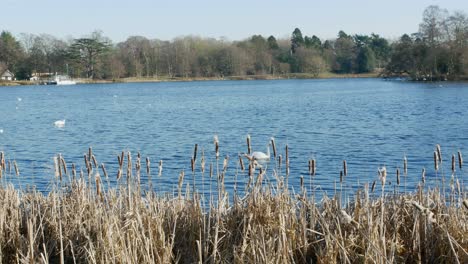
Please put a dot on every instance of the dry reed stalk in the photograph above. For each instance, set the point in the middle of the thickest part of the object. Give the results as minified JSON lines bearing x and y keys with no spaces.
{"x":58,"y":170}
{"x":203,"y":162}
{"x":382,"y":175}
{"x":211,"y":170}
{"x":16,"y":168}
{"x":345,"y":168}
{"x":423,"y":175}
{"x":249,"y":147}
{"x":436,"y":161}
{"x":273,"y":145}
{"x":287,"y":160}
{"x":241,"y":162}
{"x":181,"y":180}
{"x":73,"y":171}
{"x":460,"y":160}
{"x":225,"y":163}
{"x":103,"y":167}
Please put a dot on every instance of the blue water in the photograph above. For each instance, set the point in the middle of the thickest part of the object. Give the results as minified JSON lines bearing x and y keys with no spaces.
{"x":368,"y":122}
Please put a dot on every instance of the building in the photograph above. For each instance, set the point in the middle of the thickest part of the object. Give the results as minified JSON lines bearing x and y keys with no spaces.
{"x":7,"y":76}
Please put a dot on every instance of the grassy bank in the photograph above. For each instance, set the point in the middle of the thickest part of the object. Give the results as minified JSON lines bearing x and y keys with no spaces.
{"x":86,"y":220}
{"x":327,"y":75}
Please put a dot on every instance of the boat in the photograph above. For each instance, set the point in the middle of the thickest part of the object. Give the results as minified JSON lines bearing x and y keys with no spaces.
{"x":61,"y":80}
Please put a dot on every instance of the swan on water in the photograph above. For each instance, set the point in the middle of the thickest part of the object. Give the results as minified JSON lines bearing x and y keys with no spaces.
{"x":260,"y":156}
{"x":59,"y":123}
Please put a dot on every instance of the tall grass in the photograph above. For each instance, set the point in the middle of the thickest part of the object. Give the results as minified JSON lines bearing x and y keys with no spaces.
{"x":87,"y":220}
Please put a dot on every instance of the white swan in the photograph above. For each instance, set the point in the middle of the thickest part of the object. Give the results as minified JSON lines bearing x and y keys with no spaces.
{"x":59,"y":123}
{"x":260,"y":156}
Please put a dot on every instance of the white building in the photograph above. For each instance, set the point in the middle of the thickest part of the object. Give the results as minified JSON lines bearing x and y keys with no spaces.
{"x":7,"y":76}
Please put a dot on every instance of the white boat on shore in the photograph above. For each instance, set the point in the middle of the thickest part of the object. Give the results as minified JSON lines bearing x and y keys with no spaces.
{"x":61,"y":80}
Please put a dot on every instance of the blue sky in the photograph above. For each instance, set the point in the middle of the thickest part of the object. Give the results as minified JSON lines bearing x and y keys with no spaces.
{"x":234,"y":20}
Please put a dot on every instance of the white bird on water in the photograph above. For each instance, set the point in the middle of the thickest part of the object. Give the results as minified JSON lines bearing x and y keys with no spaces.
{"x":260,"y":156}
{"x":59,"y":123}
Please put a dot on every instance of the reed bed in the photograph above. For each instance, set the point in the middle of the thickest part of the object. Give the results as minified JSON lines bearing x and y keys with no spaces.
{"x":87,"y":220}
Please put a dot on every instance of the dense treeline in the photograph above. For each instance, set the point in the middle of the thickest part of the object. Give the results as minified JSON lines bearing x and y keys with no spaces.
{"x":438,"y":50}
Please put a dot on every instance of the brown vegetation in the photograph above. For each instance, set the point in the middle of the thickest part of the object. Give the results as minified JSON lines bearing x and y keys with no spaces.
{"x":85,"y":219}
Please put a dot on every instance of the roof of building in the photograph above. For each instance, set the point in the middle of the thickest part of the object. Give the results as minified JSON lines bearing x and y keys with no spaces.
{"x":7,"y":73}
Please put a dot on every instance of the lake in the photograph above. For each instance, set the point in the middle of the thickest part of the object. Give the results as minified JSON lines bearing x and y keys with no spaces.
{"x":368,"y":122}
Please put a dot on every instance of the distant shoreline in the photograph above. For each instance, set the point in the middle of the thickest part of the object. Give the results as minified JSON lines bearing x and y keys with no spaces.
{"x":231,"y":78}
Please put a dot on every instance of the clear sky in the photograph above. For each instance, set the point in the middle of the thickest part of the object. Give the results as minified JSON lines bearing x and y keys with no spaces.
{"x":234,"y":20}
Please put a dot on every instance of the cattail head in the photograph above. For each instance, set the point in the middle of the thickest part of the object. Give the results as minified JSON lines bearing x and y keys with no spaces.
{"x":273,"y":146}
{"x":398,"y":176}
{"x":195,"y":152}
{"x":341,"y":176}
{"x":98,"y":185}
{"x":460,"y":160}
{"x":16,"y":168}
{"x":249,"y":147}
{"x":313,"y":166}
{"x":251,"y":169}
{"x":122,"y":155}
{"x":56,"y":166}
{"x":373,"y":186}
{"x":453,"y":164}
{"x":439,"y":153}
{"x":241,"y":163}
{"x":64,"y":164}
{"x":192,"y":164}
{"x":436,"y":161}
{"x":465,"y":203}
{"x":345,"y":168}
{"x":160,"y":168}
{"x":104,"y":171}
{"x":405,"y":166}
{"x":216,"y":143}
{"x":90,"y":153}
{"x":148,"y":166}
{"x":280,"y":160}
